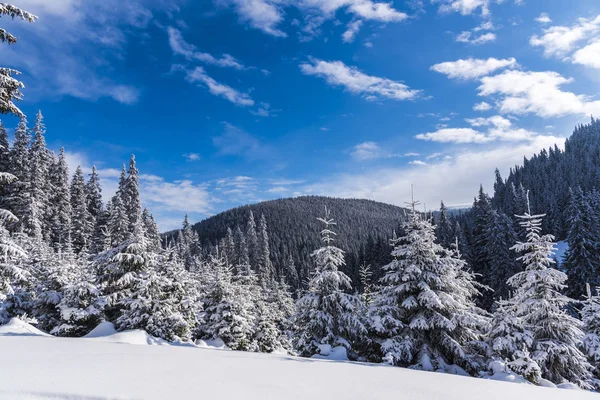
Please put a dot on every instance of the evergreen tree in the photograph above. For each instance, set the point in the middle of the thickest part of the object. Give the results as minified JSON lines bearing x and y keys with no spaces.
{"x":93,"y":194}
{"x":118,"y":224}
{"x":11,"y":275}
{"x":326,"y":314}
{"x":590,"y":314}
{"x":252,"y":241}
{"x":81,"y":229}
{"x":365,"y":281}
{"x":541,"y":307}
{"x":444,"y":230}
{"x":291,"y":273}
{"x":241,"y":247}
{"x":227,"y":313}
{"x":10,"y":88}
{"x":132,"y":202}
{"x":61,"y":203}
{"x":423,"y":314}
{"x":265,"y":266}
{"x":17,"y":200}
{"x":151,"y":229}
{"x":39,"y":219}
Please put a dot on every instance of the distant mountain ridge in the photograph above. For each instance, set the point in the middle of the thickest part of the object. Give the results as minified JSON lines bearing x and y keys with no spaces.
{"x":363,"y":229}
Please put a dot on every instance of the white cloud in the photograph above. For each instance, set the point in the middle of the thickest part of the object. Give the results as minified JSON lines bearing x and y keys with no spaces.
{"x":466,"y":7}
{"x":543,"y":18}
{"x":192,"y":156}
{"x":454,"y":135}
{"x":483,"y":106}
{"x":417,"y":162}
{"x":412,"y":154}
{"x":368,"y":151}
{"x":539,"y":93}
{"x":336,"y":73}
{"x":264,"y":15}
{"x":454,"y":180}
{"x":180,"y":47}
{"x":466,"y":37}
{"x":472,"y":68}
{"x":498,"y":128}
{"x":351,"y":31}
{"x":219,"y":89}
{"x":268,"y":15}
{"x":559,"y":41}
{"x":285,"y":182}
{"x":265,"y":110}
{"x":588,"y":55}
{"x":72,"y":50}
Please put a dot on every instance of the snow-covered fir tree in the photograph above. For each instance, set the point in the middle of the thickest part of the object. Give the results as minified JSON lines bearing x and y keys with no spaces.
{"x":227,"y":309}
{"x":266,"y":270}
{"x":151,"y":229}
{"x":118,"y":223}
{"x":39,"y":180}
{"x":326,"y":314}
{"x":590,"y":314}
{"x":10,"y":87}
{"x":542,"y":308}
{"x":11,"y":275}
{"x":424,"y":315}
{"x":60,"y":203}
{"x":132,"y":201}
{"x":93,"y":195}
{"x":81,"y":227}
{"x":251,"y":240}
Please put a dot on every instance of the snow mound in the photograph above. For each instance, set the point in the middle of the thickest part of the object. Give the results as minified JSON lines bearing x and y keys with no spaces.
{"x":103,"y":329}
{"x":217,"y":344}
{"x":17,"y":327}
{"x":106,"y":332}
{"x":331,"y":353}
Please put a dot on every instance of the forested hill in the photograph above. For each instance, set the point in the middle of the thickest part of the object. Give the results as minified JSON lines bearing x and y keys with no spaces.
{"x":363,"y":229}
{"x":550,"y":174}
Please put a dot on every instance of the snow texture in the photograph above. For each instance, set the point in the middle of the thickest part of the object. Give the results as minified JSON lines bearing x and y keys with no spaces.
{"x":95,"y":369}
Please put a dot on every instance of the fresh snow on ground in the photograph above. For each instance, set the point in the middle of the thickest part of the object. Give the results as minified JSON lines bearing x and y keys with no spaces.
{"x":100,"y":367}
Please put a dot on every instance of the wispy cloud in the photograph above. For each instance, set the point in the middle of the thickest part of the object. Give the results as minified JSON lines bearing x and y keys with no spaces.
{"x":180,"y":47}
{"x":472,"y":68}
{"x":336,"y":73}
{"x":236,"y":141}
{"x":199,"y":75}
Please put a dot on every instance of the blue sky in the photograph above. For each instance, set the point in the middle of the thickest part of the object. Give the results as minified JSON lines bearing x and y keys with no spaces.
{"x":226,"y":102}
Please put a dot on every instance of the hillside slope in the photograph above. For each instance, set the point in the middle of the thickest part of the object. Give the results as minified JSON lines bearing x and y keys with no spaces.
{"x":92,"y":369}
{"x":363,"y":229}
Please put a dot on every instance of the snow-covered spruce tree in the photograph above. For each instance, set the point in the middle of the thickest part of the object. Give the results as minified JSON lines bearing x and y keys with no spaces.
{"x":227,"y":313}
{"x":81,"y":304}
{"x":18,"y":190}
{"x":499,"y":237}
{"x":81,"y":227}
{"x":160,"y":300}
{"x":118,"y":224}
{"x":590,"y":314}
{"x":241,"y":248}
{"x":132,"y":203}
{"x":60,"y":203}
{"x":228,"y":247}
{"x":11,"y":275}
{"x":151,"y":229}
{"x":93,"y":195}
{"x":291,"y":273}
{"x":101,"y":237}
{"x":40,"y":183}
{"x":423,"y":315}
{"x":582,"y":258}
{"x":508,"y":340}
{"x":541,"y":307}
{"x":118,"y":270}
{"x":266,"y":270}
{"x":326,"y":314}
{"x":252,"y":241}
{"x":10,"y":88}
